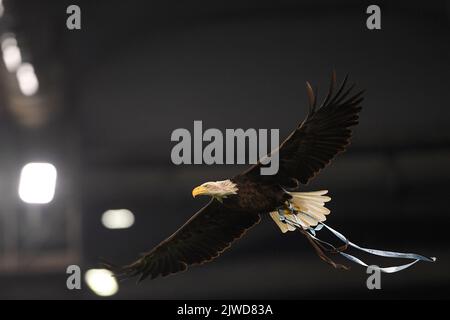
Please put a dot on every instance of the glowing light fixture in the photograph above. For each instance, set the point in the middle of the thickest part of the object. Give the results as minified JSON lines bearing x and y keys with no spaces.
{"x":11,"y":53}
{"x":2,"y":8}
{"x":118,"y":219}
{"x":37,"y":183}
{"x":102,"y":282}
{"x":28,"y":82}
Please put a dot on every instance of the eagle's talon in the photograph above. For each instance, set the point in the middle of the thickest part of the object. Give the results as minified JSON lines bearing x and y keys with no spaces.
{"x":291,"y":208}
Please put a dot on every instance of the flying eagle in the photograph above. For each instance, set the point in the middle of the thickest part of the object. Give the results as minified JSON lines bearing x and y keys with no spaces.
{"x":237,"y":203}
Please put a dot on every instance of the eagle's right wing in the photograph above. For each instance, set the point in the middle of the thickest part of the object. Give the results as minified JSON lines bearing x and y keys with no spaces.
{"x":324,"y":133}
{"x":202,"y":238}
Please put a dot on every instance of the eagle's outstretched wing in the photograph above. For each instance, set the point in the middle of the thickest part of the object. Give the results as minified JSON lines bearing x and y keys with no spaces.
{"x":309,"y":148}
{"x":202,"y":238}
{"x":320,"y":137}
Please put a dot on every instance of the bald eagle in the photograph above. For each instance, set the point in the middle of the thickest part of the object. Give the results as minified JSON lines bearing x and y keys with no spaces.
{"x":236,"y":204}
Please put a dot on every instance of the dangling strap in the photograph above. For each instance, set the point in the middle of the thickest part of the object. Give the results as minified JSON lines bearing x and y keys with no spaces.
{"x":381,"y":253}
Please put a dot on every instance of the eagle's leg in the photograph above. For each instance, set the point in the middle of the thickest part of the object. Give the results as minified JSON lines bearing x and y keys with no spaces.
{"x":282,"y":210}
{"x":281,"y":214}
{"x":318,"y":247}
{"x":290,"y":207}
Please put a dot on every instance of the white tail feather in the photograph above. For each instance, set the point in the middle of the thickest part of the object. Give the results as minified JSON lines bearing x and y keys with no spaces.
{"x":310,"y":207}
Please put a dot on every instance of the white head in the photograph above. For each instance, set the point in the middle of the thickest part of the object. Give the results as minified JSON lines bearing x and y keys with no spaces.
{"x":216,"y":189}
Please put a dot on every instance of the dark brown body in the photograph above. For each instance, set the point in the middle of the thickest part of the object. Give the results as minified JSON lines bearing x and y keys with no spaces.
{"x":255,"y":197}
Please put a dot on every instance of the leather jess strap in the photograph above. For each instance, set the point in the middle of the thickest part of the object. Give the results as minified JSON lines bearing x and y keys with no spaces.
{"x":376,"y":252}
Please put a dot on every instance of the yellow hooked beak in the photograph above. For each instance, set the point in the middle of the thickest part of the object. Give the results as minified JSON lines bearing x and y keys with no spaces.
{"x":199,"y":191}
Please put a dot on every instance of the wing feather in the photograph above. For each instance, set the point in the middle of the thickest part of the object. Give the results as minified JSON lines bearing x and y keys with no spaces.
{"x":324,"y":133}
{"x":201,"y":239}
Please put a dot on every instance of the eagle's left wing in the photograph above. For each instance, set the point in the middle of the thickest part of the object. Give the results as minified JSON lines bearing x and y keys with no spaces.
{"x":202,"y":238}
{"x":324,"y":133}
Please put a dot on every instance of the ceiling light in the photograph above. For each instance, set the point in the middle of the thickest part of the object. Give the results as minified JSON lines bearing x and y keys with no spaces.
{"x":11,"y":53}
{"x":28,"y":82}
{"x":37,"y":183}
{"x":118,"y":219}
{"x":102,"y":282}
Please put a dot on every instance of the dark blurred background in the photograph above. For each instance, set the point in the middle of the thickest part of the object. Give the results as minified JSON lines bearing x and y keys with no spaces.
{"x":109,"y":96}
